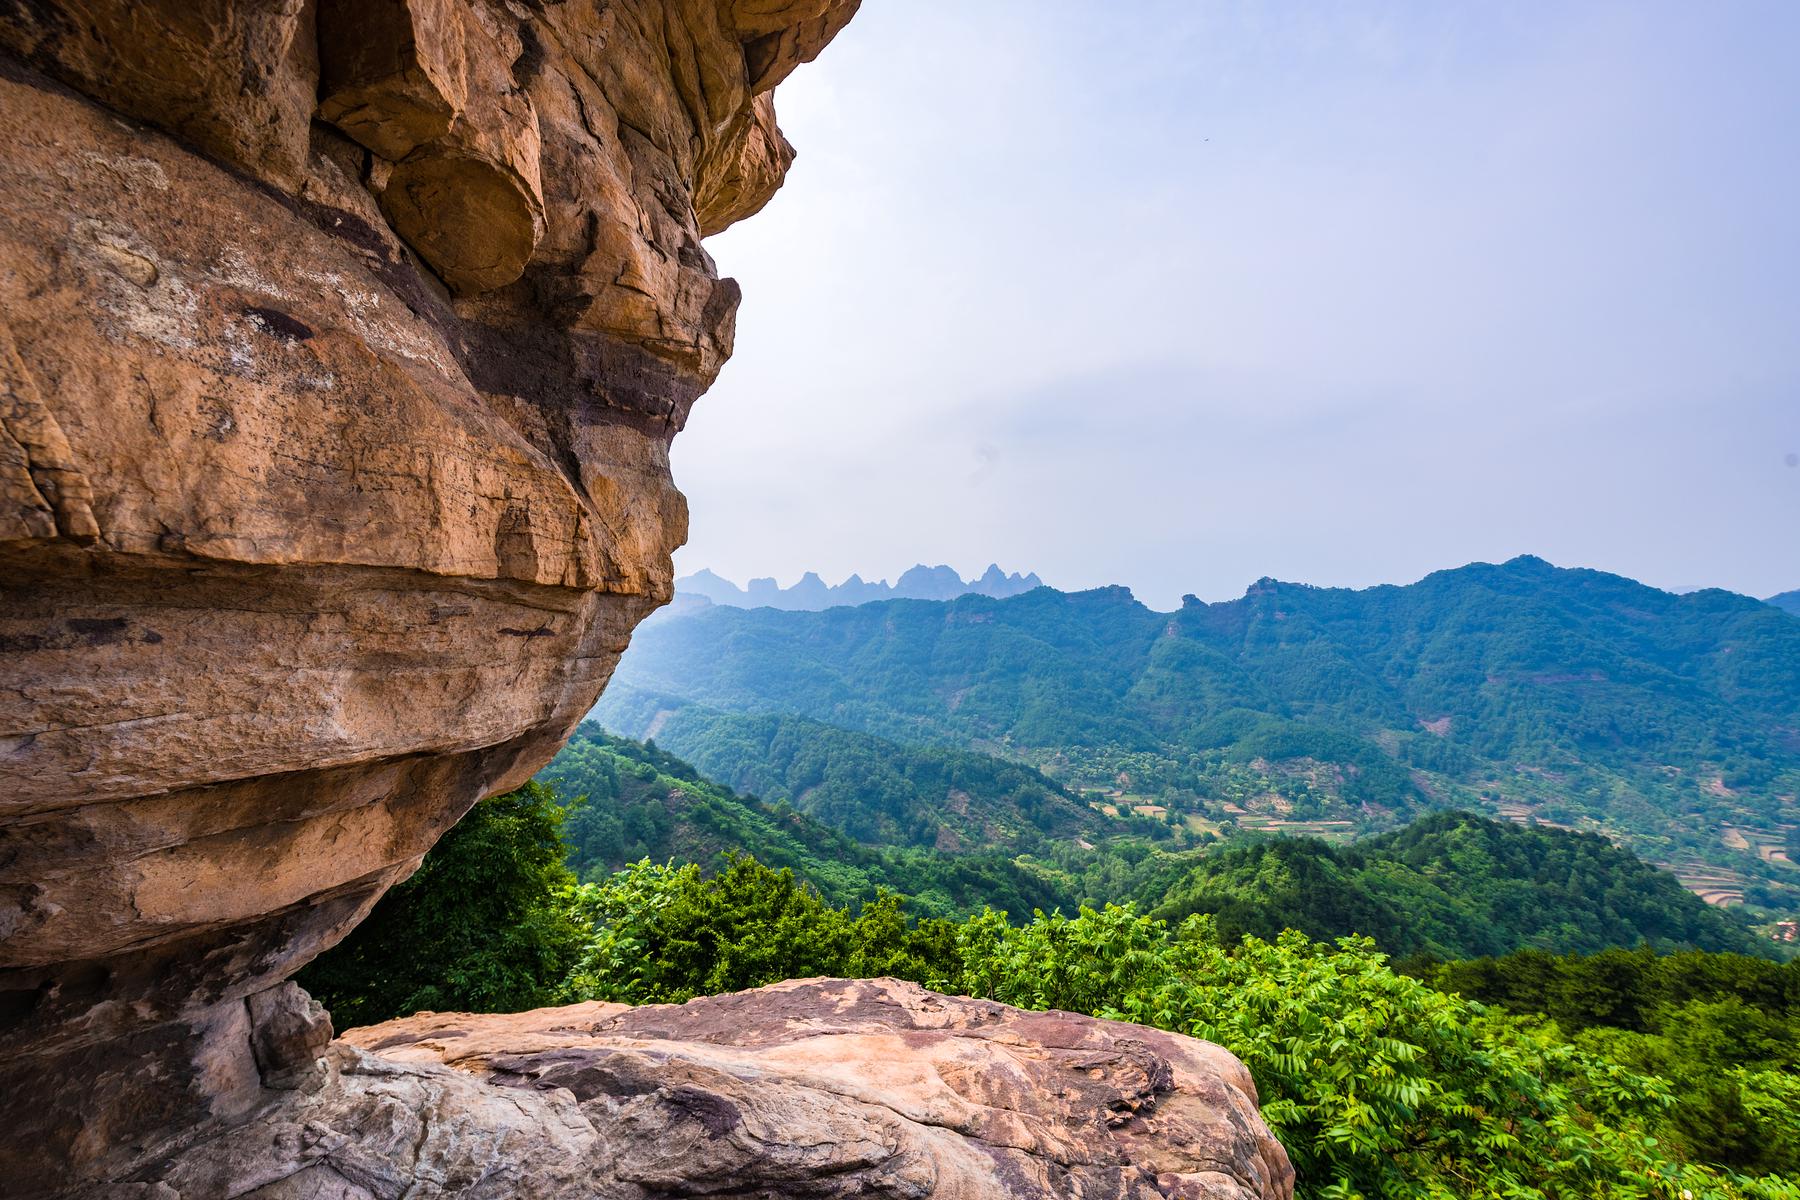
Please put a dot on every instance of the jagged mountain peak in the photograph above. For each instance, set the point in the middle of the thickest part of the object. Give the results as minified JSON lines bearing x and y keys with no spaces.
{"x":811,"y":592}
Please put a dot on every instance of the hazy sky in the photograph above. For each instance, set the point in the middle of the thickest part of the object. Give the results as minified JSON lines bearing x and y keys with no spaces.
{"x":1180,"y":295}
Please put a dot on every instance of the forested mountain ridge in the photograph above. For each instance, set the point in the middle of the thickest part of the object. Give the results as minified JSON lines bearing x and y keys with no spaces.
{"x":1574,"y":696}
{"x":1450,"y":885}
{"x":1787,"y":601}
{"x":627,"y":800}
{"x":877,"y":791}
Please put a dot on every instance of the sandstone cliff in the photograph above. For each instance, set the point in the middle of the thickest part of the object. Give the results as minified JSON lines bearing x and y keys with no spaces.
{"x":340,"y":349}
{"x":341,"y":345}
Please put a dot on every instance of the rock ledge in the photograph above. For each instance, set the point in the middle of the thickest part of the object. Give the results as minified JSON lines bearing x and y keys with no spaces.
{"x":812,"y":1088}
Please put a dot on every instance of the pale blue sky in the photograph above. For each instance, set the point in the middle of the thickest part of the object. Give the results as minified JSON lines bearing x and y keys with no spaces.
{"x":1179,"y":295}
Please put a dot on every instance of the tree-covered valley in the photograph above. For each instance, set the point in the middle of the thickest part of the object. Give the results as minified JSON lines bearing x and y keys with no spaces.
{"x":1449,"y":885}
{"x":1670,"y":723}
{"x":1396,"y":850}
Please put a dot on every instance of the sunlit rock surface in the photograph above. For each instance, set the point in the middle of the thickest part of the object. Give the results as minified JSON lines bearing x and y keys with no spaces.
{"x":818,"y":1088}
{"x":341,"y":344}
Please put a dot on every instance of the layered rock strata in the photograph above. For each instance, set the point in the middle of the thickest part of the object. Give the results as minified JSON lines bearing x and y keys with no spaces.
{"x":341,"y":345}
{"x":818,"y":1088}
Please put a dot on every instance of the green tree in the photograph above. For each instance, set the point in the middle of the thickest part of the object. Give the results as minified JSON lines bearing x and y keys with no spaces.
{"x":482,"y":926}
{"x":1722,"y":1029}
{"x":664,"y":934}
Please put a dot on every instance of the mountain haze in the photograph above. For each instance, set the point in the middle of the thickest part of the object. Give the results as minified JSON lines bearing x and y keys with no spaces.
{"x":812,"y":593}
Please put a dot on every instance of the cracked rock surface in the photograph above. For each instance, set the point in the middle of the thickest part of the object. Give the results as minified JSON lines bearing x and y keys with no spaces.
{"x":813,"y":1088}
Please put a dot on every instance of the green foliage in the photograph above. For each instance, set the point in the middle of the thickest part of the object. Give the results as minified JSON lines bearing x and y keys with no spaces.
{"x":874,"y":790}
{"x":482,"y":926}
{"x":664,"y":934}
{"x":1723,"y":1029}
{"x":1452,"y":885}
{"x":1378,"y":1085}
{"x":632,"y":800}
{"x":1626,"y":989}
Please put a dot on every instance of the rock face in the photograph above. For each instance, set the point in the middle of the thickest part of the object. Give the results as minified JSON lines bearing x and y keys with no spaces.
{"x":341,"y":345}
{"x":816,"y":1088}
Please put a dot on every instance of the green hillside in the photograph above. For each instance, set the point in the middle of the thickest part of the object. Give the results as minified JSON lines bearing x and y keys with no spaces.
{"x":1571,"y":697}
{"x":877,"y":791}
{"x":1787,"y":601}
{"x":1450,"y":885}
{"x":627,"y":801}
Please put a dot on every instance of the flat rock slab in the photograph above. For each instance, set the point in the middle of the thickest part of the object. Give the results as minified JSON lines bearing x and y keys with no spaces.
{"x":812,"y":1088}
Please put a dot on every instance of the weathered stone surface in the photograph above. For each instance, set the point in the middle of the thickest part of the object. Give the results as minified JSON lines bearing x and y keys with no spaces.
{"x":782,"y":34}
{"x":235,"y":79}
{"x":817,"y":1088}
{"x":341,"y":345}
{"x":392,"y":72}
{"x":433,"y":87}
{"x":736,"y":188}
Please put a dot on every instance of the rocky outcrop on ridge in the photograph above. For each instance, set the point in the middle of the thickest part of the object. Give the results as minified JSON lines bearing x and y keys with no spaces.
{"x":815,"y":1088}
{"x":341,"y":346}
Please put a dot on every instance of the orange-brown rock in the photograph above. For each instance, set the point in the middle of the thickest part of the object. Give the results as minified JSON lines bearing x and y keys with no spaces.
{"x":430,"y":87}
{"x":816,"y":1088}
{"x":341,"y":345}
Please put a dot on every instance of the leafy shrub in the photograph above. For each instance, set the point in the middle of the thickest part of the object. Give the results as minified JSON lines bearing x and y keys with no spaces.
{"x":664,"y":934}
{"x":482,"y":926}
{"x":1377,"y":1084}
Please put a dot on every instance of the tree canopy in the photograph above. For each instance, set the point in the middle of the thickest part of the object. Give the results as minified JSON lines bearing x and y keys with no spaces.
{"x":482,"y":926}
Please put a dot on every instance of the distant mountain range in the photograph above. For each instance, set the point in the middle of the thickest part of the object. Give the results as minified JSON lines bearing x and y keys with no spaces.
{"x":812,"y":594}
{"x":1570,"y":697}
{"x":1788,"y":601}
